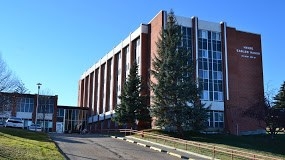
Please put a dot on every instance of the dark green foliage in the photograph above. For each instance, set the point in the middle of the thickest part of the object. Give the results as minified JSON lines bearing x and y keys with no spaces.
{"x":175,"y":99}
{"x":280,"y":97}
{"x":132,"y":107}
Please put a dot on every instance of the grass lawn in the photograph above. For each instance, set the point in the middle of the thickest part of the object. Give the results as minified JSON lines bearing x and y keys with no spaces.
{"x":261,"y":144}
{"x":27,"y":145}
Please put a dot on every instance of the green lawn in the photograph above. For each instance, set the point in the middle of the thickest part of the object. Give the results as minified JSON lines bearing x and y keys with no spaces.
{"x":27,"y":145}
{"x":261,"y":144}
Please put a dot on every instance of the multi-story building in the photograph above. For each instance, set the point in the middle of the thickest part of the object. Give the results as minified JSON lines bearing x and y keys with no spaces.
{"x":228,"y":65}
{"x":43,"y":110}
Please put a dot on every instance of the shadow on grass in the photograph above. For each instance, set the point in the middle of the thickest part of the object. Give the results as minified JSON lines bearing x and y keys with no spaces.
{"x":262,"y":143}
{"x":22,"y":133}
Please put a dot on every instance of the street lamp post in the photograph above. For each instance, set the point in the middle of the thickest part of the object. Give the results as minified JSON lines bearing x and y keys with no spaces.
{"x":39,"y":86}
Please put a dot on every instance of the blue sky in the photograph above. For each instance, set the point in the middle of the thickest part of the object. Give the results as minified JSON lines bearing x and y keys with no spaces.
{"x":54,"y":41}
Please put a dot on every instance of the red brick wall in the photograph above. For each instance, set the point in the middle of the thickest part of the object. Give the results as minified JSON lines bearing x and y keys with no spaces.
{"x":156,"y":25}
{"x":145,"y":64}
{"x":245,"y":79}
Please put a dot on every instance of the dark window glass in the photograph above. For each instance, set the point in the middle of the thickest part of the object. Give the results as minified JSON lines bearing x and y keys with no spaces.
{"x":214,"y":66}
{"x":216,"y":124}
{"x":209,"y":35}
{"x":214,"y":47}
{"x":184,"y":30}
{"x":200,"y":64}
{"x":205,"y":86}
{"x":219,"y":46}
{"x":204,"y":44}
{"x":210,"y":54}
{"x":200,"y":43}
{"x":205,"y":65}
{"x":211,"y":95}
{"x":189,"y":43}
{"x":189,"y":31}
{"x":219,"y":66}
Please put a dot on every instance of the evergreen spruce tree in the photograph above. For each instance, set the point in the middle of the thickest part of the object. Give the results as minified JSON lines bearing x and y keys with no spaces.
{"x":279,"y":99}
{"x":132,"y":107}
{"x":175,"y":101}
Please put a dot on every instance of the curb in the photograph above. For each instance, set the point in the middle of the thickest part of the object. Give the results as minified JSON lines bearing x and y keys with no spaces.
{"x":153,"y":148}
{"x":181,"y":150}
{"x":59,"y":149}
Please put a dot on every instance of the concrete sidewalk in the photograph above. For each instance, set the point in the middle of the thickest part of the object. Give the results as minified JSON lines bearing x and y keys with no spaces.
{"x":183,"y":154}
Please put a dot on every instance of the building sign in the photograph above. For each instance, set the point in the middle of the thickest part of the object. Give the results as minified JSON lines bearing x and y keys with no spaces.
{"x":247,"y":52}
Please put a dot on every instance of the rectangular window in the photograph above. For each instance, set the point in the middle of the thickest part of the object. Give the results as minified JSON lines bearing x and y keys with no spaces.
{"x":205,"y":95}
{"x":218,"y":75}
{"x":217,"y":55}
{"x":216,"y":119}
{"x":204,"y":34}
{"x":218,"y":36}
{"x":218,"y":96}
{"x":204,"y":53}
{"x":213,"y":35}
{"x":203,"y":74}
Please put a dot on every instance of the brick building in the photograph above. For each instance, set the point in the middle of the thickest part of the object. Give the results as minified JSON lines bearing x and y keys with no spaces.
{"x":228,"y":65}
{"x":50,"y":116}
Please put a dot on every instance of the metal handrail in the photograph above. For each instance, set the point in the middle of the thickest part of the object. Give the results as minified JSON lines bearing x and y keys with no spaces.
{"x":231,"y":152}
{"x":215,"y":149}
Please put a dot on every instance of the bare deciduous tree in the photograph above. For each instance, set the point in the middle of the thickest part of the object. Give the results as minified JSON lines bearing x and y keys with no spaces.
{"x":8,"y":83}
{"x":44,"y":100}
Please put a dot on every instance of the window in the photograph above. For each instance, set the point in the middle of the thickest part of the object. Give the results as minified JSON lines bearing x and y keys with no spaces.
{"x":217,"y":55}
{"x":203,"y":74}
{"x":218,"y":96}
{"x":60,"y":112}
{"x":218,"y":75}
{"x":203,"y":34}
{"x":205,"y":95}
{"x":25,"y":105}
{"x":204,"y":53}
{"x":46,"y":105}
{"x":216,"y":119}
{"x":216,"y":36}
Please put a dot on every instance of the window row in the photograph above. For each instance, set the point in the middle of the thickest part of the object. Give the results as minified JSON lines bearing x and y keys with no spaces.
{"x":209,"y":35}
{"x":216,"y":119}
{"x":212,"y":95}
{"x":204,"y":74}
{"x":203,"y":53}
{"x":25,"y":105}
{"x":209,"y":45}
{"x":206,"y":64}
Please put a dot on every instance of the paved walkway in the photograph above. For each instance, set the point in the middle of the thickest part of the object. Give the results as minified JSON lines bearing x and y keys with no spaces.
{"x":87,"y":141}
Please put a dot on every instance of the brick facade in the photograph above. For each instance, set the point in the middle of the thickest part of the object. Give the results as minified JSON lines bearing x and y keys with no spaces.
{"x":242,"y":72}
